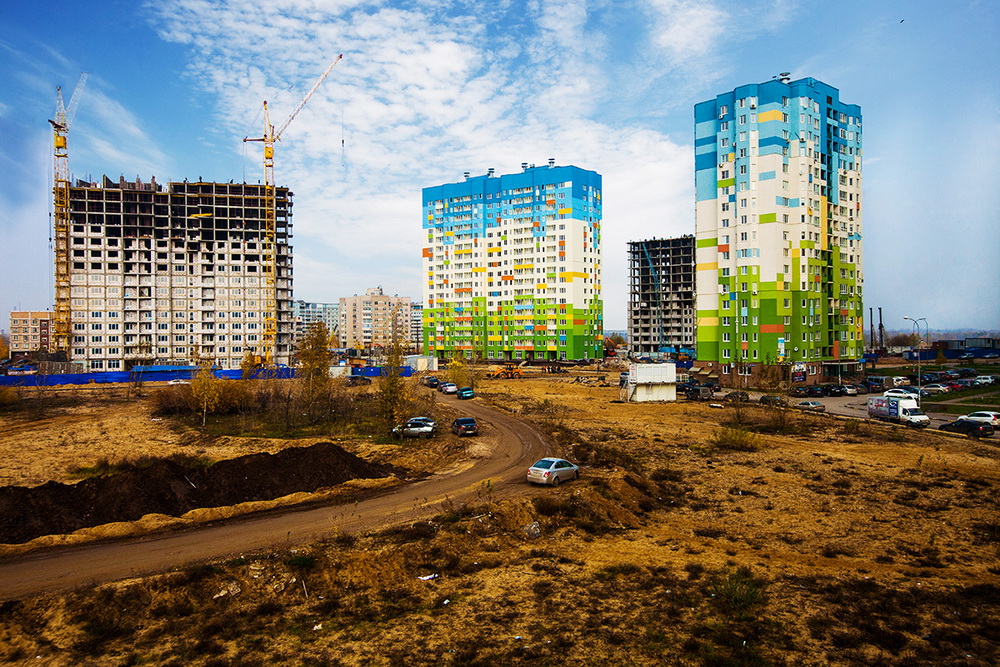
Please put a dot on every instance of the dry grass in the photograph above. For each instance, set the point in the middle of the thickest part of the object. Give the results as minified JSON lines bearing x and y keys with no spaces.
{"x":833,"y":543}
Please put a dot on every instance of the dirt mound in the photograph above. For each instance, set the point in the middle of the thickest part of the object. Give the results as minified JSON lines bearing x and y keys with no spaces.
{"x":166,"y":487}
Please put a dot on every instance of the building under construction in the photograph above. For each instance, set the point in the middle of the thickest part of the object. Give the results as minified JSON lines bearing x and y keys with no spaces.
{"x":661,"y":314}
{"x":176,"y":272}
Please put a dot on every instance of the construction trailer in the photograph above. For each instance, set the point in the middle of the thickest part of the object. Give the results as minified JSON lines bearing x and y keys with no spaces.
{"x":650,"y":382}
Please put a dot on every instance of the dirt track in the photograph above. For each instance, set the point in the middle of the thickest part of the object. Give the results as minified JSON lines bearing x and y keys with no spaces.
{"x":67,"y":568}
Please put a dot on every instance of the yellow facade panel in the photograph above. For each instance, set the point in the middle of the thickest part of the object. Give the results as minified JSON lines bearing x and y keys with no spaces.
{"x":706,"y":266}
{"x":708,"y":321}
{"x":774,"y":114}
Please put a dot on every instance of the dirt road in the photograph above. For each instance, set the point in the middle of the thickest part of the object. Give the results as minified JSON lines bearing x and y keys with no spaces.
{"x":66,"y":568}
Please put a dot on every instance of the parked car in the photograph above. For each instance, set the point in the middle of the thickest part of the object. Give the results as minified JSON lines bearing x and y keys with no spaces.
{"x":983,"y":380}
{"x":465,"y":426}
{"x":465,"y":393}
{"x":357,"y":380}
{"x":916,"y":391}
{"x":813,"y":406}
{"x":833,"y":390}
{"x":849,"y":389}
{"x":415,"y":428}
{"x":448,"y":388}
{"x":815,"y":391}
{"x":991,"y":355}
{"x":430,"y":381}
{"x":799,"y":392}
{"x":936,"y":389}
{"x":858,"y":389}
{"x":968,"y":427}
{"x":552,"y":471}
{"x":769,"y":399}
{"x":737,"y":397}
{"x":178,"y":381}
{"x":898,"y":393}
{"x":986,"y":416}
{"x":966,"y":355}
{"x":427,"y":420}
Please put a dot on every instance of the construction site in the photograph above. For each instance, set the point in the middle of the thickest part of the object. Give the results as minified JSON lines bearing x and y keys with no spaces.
{"x":661,"y":313}
{"x":147,"y":273}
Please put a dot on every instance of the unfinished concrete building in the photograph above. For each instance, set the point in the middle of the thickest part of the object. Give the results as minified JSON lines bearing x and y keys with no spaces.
{"x":172,"y":273}
{"x":661,"y":315}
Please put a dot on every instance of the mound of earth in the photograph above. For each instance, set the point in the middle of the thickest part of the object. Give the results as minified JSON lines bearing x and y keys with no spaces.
{"x":166,"y":487}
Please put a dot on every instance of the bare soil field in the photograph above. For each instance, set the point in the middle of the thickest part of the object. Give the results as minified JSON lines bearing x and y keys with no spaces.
{"x":695,"y":536}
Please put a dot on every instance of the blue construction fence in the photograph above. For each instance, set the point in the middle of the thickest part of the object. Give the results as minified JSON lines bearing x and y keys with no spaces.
{"x":167,"y":373}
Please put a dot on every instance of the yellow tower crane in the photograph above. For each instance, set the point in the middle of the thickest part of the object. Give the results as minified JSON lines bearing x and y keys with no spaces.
{"x":269,"y":249}
{"x":61,"y":212}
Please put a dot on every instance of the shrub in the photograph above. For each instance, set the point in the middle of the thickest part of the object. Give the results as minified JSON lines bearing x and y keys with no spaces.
{"x":730,"y":438}
{"x":738,"y":591}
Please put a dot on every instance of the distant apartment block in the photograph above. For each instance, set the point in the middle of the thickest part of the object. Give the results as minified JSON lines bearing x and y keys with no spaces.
{"x":170,"y":273}
{"x":374,"y":320}
{"x":29,"y":332}
{"x":417,"y":326}
{"x":306,"y":313}
{"x":661,"y":295}
{"x":778,"y":226}
{"x":513,"y":265}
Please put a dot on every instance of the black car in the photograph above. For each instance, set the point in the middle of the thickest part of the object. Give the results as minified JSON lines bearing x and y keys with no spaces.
{"x":799,"y":392}
{"x":430,"y":381}
{"x":357,"y":380}
{"x":833,"y":390}
{"x":968,"y":427}
{"x":815,"y":391}
{"x":773,"y":400}
{"x":465,"y":426}
{"x":737,"y":397}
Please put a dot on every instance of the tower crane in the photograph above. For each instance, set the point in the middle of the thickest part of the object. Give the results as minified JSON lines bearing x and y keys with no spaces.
{"x":61,"y":212}
{"x":269,"y":250}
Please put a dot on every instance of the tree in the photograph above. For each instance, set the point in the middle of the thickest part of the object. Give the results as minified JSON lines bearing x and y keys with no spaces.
{"x":392,"y":398}
{"x":314,"y":365}
{"x":902,"y":340}
{"x":206,"y":390}
{"x":4,"y":346}
{"x":248,"y":365}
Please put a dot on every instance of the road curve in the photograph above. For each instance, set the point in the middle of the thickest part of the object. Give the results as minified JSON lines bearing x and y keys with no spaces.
{"x":65,"y":568}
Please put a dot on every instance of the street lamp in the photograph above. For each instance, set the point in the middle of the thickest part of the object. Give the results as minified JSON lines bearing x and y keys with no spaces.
{"x":916,"y":325}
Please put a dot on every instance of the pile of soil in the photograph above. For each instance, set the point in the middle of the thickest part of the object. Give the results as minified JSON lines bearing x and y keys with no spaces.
{"x":166,"y":487}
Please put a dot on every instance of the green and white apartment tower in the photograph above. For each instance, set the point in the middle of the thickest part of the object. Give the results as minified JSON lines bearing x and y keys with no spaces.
{"x":513,"y":265}
{"x":778,"y":231}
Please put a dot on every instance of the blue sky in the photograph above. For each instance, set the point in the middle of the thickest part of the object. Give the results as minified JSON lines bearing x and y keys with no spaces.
{"x":429,"y":89}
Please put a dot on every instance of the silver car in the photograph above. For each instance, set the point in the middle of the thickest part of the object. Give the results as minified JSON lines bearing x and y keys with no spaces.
{"x":552,"y":471}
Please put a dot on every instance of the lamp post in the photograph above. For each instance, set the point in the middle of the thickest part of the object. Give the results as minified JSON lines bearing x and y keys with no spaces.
{"x":916,"y":325}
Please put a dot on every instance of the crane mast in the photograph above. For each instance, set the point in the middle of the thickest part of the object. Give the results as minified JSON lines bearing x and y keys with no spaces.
{"x":269,"y":248}
{"x":61,"y":213}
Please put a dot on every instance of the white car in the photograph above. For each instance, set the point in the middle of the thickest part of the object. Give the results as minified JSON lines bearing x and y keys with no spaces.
{"x":983,"y":379}
{"x":899,"y":393}
{"x":178,"y":381}
{"x":552,"y":471}
{"x":985,"y":416}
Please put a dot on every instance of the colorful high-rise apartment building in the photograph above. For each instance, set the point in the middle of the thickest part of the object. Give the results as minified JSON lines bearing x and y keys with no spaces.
{"x":778,"y":230}
{"x":513,"y":265}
